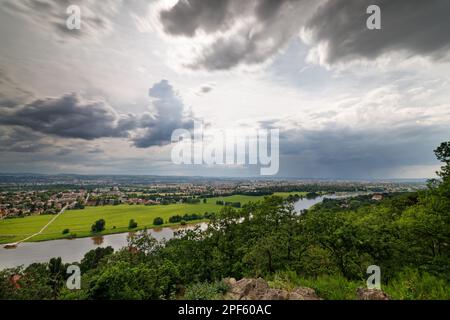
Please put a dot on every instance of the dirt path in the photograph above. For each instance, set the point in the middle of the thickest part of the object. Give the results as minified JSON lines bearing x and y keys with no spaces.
{"x":15,"y":244}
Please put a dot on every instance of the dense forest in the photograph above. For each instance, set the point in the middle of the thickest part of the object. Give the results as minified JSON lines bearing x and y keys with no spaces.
{"x":327,"y":247}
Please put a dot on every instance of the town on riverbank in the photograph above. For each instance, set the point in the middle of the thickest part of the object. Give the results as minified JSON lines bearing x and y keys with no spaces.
{"x":31,"y":206}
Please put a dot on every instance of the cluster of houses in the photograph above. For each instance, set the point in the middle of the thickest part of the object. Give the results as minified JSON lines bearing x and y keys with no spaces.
{"x":44,"y":202}
{"x":36,"y":202}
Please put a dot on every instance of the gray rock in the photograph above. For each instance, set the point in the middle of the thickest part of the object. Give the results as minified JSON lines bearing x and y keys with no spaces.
{"x":371,"y":294}
{"x":258,"y":289}
{"x":303,"y":293}
{"x":275,"y":294}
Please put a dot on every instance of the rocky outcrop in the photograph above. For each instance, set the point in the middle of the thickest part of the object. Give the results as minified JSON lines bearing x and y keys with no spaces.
{"x":258,"y":289}
{"x":371,"y":294}
{"x":303,"y":293}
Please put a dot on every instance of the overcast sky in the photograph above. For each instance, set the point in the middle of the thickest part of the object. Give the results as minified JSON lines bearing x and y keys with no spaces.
{"x":349,"y":102}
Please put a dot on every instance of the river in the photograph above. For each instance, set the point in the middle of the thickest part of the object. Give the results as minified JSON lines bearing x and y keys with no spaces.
{"x":75,"y":249}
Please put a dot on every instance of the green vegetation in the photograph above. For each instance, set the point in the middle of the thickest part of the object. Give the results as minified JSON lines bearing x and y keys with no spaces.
{"x":206,"y":291}
{"x":327,"y":286}
{"x":327,"y":248}
{"x":98,"y":226}
{"x":158,"y":221}
{"x":116,"y":217}
{"x":92,"y":259}
{"x":175,"y":219}
{"x":132,"y":224}
{"x":12,"y":230}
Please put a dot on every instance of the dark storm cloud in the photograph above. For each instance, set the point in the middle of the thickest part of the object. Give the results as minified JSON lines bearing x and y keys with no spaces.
{"x":357,"y":153}
{"x":261,"y":28}
{"x":18,"y":139}
{"x":415,"y":27}
{"x":69,"y":117}
{"x":169,"y":115}
{"x":187,"y":17}
{"x":25,"y":119}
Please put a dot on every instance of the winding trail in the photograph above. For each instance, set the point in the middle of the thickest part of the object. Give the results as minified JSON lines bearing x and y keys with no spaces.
{"x":15,"y":244}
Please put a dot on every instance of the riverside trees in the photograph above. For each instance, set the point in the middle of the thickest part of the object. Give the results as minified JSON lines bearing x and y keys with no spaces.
{"x":407,"y":236}
{"x":98,"y":226}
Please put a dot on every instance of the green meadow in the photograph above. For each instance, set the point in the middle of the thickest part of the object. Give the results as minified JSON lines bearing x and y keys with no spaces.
{"x":79,"y":222}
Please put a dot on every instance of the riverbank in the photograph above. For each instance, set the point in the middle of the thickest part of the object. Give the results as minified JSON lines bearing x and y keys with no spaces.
{"x":71,"y":250}
{"x":79,"y":222}
{"x":74,"y":249}
{"x":122,"y":230}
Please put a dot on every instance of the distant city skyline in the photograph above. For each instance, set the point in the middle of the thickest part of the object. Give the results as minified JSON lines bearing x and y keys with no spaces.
{"x":350,"y":103}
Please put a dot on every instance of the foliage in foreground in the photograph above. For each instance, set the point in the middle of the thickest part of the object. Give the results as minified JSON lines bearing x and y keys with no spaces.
{"x":327,"y":248}
{"x":206,"y":291}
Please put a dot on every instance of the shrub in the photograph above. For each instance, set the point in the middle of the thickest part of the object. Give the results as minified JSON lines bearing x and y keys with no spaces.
{"x":209,"y":215}
{"x":334,"y":287}
{"x":327,"y":287}
{"x":411,"y":284}
{"x":132,"y":224}
{"x":206,"y":291}
{"x":175,"y":219}
{"x":190,"y":217}
{"x":66,"y":231}
{"x":158,"y":221}
{"x":233,"y":204}
{"x":98,"y":226}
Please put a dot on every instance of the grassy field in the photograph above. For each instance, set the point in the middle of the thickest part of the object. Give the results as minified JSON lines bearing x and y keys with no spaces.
{"x":79,"y":222}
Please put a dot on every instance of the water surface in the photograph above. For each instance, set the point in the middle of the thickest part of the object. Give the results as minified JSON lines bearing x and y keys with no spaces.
{"x":75,"y":249}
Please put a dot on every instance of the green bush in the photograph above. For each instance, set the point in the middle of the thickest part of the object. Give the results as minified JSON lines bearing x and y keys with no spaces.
{"x":98,"y":226}
{"x":158,"y":221}
{"x":206,"y":291}
{"x":66,"y":231}
{"x":411,"y":284}
{"x":327,"y":287}
{"x":132,"y":224}
{"x":175,"y":219}
{"x":334,"y":287}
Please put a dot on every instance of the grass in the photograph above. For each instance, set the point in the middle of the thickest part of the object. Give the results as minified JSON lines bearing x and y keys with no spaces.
{"x":80,"y":221}
{"x":328,"y":287}
{"x":409,"y":284}
{"x":12,"y":230}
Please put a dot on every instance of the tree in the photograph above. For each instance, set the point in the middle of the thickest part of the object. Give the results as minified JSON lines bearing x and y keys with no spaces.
{"x":132,"y":224}
{"x":175,"y":219}
{"x":443,"y":154}
{"x":92,"y":258}
{"x":143,"y":242}
{"x":158,"y":221}
{"x":124,"y":281}
{"x":98,"y":226}
{"x":35,"y":283}
{"x":57,"y":271}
